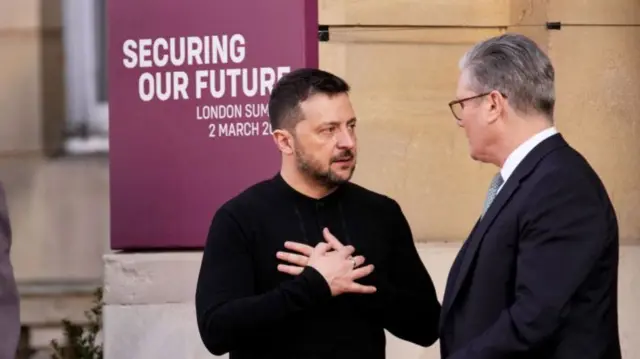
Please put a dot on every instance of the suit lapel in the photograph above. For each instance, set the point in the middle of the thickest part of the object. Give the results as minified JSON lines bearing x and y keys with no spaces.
{"x":477,"y":235}
{"x":475,"y":239}
{"x":454,"y":272}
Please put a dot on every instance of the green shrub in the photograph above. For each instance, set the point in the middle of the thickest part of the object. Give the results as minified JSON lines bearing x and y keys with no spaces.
{"x":80,"y":340}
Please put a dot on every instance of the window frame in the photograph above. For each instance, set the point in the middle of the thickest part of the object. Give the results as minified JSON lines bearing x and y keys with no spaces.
{"x":87,"y":120}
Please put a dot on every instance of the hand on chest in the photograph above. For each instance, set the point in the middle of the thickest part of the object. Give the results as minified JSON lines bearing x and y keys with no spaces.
{"x":305,"y":225}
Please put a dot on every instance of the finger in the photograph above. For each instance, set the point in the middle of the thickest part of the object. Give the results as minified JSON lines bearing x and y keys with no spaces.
{"x":321,"y":248}
{"x":361,"y":272}
{"x":359,"y":260}
{"x":293,"y":270}
{"x":360,"y":289}
{"x":299,"y":247}
{"x":293,"y":258}
{"x":331,"y":239}
{"x":346,"y":251}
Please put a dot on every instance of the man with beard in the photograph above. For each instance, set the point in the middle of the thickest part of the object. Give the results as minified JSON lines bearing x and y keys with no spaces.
{"x":276,"y":280}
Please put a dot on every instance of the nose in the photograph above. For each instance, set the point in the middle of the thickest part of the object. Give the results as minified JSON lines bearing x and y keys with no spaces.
{"x":346,"y":139}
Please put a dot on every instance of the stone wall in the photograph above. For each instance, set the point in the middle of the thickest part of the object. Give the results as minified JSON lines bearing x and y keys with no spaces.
{"x":403,"y":77}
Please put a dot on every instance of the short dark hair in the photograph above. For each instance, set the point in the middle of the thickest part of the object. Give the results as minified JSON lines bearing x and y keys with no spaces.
{"x":294,"y":88}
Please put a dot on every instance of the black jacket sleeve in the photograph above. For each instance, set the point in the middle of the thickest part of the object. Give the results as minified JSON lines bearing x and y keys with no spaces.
{"x":564,"y":233}
{"x":406,"y":297}
{"x":230,"y":314}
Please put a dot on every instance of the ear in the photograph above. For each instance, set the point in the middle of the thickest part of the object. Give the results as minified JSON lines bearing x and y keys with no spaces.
{"x":497,"y":105}
{"x":284,"y":141}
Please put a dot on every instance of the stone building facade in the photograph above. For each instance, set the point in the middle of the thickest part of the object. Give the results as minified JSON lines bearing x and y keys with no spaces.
{"x":401,"y":58}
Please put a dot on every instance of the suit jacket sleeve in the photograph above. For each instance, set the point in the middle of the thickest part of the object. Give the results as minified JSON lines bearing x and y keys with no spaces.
{"x":562,"y":235}
{"x":9,"y":299}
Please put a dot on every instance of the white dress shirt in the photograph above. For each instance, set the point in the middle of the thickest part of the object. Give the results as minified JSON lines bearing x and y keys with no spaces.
{"x":522,"y":151}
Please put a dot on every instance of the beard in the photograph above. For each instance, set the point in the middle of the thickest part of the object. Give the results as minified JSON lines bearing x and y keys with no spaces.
{"x":324,"y":176}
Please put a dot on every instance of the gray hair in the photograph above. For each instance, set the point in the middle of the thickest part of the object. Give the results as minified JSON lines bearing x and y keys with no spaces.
{"x":516,"y":67}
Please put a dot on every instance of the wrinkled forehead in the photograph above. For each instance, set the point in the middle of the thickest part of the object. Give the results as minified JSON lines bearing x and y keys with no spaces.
{"x":322,"y":109}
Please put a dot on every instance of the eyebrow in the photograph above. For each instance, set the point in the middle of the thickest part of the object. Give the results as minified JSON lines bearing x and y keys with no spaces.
{"x":336,"y":123}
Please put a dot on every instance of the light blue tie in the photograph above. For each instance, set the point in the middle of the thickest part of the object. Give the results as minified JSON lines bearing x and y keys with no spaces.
{"x":496,"y":182}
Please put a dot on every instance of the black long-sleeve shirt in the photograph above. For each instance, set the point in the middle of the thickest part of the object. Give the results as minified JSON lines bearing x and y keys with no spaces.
{"x":246,"y":307}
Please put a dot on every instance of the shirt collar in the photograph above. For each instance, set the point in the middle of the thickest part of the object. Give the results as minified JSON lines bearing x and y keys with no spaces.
{"x":523,"y":150}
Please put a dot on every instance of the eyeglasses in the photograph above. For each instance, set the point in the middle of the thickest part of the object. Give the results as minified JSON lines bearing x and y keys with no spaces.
{"x":457,"y":106}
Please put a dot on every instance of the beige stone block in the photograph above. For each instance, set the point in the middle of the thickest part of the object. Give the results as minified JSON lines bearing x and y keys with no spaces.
{"x":51,"y":310}
{"x":538,"y":34}
{"x":410,"y":145}
{"x":580,"y":12}
{"x":598,"y":87}
{"x":162,"y":331}
{"x":19,"y":15}
{"x":333,"y":56}
{"x":59,"y":212}
{"x":607,"y":12}
{"x":528,"y":17}
{"x":26,"y":15}
{"x":528,"y":12}
{"x":415,"y":12}
{"x":403,"y":36}
{"x":41,"y":337}
{"x":133,"y":278}
{"x":20,"y":93}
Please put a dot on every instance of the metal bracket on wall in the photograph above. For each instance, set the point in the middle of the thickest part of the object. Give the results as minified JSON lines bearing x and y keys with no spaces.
{"x":323,"y":30}
{"x":554,"y":25}
{"x":323,"y":33}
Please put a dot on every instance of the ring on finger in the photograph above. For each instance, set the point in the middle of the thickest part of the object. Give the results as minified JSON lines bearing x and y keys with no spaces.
{"x":353,"y":261}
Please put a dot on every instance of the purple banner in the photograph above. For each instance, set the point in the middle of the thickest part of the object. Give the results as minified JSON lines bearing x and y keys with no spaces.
{"x":189,"y":84}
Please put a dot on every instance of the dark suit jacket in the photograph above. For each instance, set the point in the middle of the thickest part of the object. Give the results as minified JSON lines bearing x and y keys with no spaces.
{"x":9,"y":307}
{"x":537,"y":277}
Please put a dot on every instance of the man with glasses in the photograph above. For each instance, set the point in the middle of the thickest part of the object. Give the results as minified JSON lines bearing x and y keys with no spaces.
{"x":537,"y":276}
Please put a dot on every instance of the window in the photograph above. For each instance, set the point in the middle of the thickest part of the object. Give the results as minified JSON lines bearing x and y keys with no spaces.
{"x":85,"y":34}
